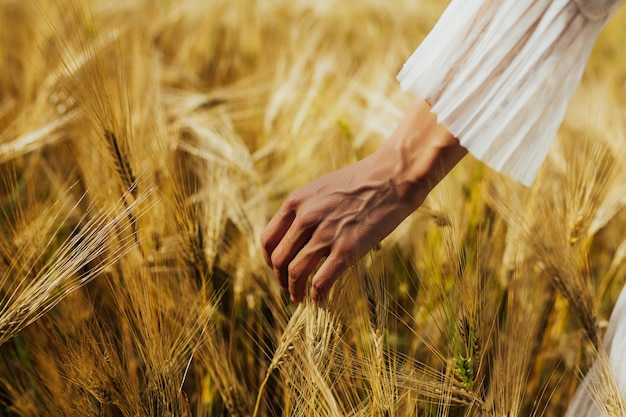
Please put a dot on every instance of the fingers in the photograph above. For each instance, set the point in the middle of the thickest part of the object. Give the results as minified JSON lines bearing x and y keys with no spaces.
{"x":301,"y":267}
{"x":285,"y":236}
{"x":325,"y":277}
{"x":297,"y":252}
{"x":294,"y":243}
{"x":299,"y":236}
{"x":289,"y":246}
{"x":273,"y":233}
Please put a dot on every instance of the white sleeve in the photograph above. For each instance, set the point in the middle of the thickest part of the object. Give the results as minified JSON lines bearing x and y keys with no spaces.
{"x":499,"y":74}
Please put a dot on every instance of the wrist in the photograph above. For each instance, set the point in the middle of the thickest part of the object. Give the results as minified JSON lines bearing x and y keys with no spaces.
{"x":419,"y":153}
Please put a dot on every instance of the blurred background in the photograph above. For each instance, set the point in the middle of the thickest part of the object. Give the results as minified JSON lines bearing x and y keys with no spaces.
{"x":144,"y":144}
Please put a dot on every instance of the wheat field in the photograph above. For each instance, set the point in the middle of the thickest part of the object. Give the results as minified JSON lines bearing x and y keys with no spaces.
{"x":144,"y":144}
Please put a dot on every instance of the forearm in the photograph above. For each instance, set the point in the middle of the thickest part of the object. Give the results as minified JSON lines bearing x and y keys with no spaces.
{"x":342,"y":215}
{"x":500,"y":74}
{"x":419,"y":153}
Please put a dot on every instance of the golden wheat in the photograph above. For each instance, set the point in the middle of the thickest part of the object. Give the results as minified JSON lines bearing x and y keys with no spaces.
{"x":143,"y":146}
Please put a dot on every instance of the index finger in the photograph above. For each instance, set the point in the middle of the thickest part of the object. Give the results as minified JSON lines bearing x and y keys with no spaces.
{"x":275,"y":230}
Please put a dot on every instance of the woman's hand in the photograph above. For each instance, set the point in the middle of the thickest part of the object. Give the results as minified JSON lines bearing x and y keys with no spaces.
{"x":342,"y":215}
{"x":339,"y":216}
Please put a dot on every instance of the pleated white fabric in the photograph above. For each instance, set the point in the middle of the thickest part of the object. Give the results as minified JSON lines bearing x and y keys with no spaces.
{"x":500,"y":74}
{"x":582,"y":404}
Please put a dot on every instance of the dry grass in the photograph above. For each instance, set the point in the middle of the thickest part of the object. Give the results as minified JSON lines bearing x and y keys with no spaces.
{"x":144,"y":145}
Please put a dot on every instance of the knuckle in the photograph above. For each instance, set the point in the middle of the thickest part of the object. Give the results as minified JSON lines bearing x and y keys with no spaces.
{"x":341,"y":251}
{"x":345,"y":253}
{"x":294,"y":270}
{"x":307,"y":219}
{"x":339,"y":264}
{"x":331,"y":230}
{"x":291,"y":202}
{"x":265,"y":238}
{"x":293,"y":280}
{"x":278,"y":259}
{"x":320,"y":286}
{"x":325,"y":235}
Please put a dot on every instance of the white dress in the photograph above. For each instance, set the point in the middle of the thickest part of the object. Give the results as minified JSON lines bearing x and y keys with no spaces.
{"x":491,"y":69}
{"x":500,"y":74}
